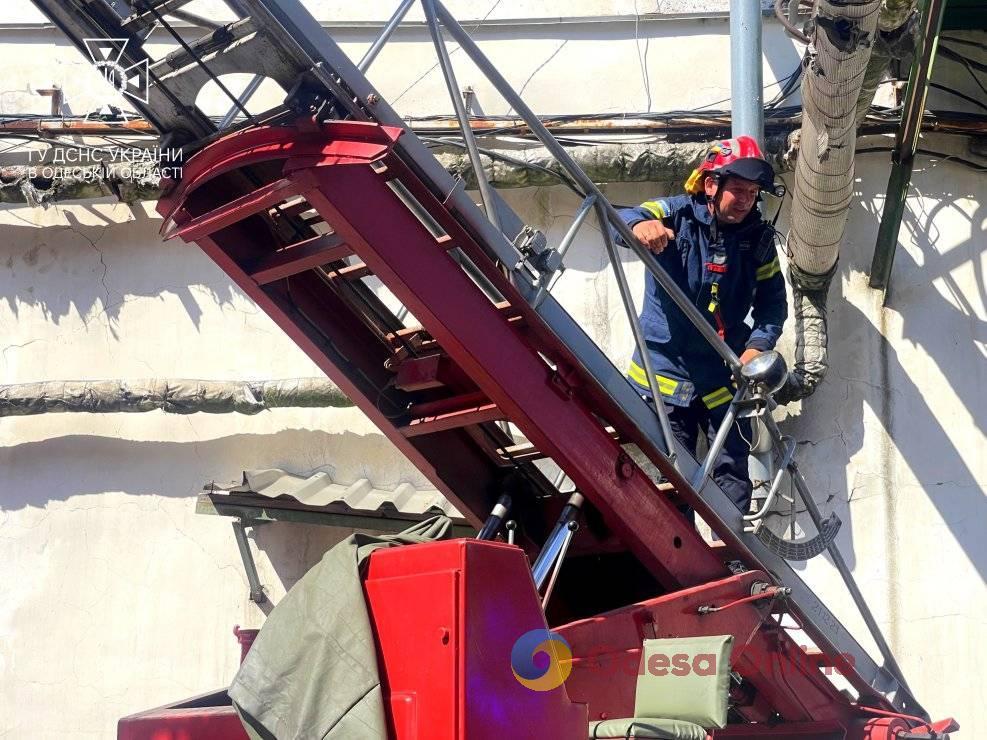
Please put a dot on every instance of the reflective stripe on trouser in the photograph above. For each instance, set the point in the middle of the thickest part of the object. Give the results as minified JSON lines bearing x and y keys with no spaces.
{"x":670,"y":388}
{"x":717,"y":398}
{"x":730,"y":471}
{"x":679,"y":390}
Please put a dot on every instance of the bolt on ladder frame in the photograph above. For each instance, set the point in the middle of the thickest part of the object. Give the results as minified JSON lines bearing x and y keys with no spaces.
{"x":581,"y":375}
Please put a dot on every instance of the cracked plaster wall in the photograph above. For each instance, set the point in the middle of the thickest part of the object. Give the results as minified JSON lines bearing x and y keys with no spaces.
{"x":118,"y":598}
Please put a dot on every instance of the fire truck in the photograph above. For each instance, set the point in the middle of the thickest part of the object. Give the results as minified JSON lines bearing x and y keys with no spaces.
{"x":313,"y":209}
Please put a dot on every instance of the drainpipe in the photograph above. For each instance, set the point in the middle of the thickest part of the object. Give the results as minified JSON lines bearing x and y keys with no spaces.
{"x":746,"y":76}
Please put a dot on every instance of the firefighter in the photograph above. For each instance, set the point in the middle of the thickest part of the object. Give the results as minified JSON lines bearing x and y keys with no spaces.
{"x":717,"y":248}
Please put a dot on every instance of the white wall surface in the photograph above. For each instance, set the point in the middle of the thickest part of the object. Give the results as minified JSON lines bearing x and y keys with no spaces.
{"x":117,"y":597}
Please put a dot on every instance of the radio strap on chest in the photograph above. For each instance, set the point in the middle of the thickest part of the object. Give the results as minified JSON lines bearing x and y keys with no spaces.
{"x":714,"y":308}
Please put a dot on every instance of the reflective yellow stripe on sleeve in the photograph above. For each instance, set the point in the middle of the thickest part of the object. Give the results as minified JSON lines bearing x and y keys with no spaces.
{"x":717,"y":398}
{"x":769,"y":270}
{"x":666,"y":386}
{"x":655,"y":208}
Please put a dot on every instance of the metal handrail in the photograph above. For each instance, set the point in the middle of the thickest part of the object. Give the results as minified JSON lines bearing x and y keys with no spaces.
{"x":642,"y":348}
{"x":368,"y":58}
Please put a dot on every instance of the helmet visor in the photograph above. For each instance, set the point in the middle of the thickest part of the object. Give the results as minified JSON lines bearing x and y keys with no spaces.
{"x":750,"y":168}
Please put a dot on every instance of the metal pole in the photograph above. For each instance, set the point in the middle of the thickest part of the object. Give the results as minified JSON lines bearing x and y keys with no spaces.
{"x":560,"y":154}
{"x":553,"y":545}
{"x":577,"y":222}
{"x":486,"y":192}
{"x":257,"y":594}
{"x":392,"y":24}
{"x":642,"y":348}
{"x":775,"y":485}
{"x":245,"y":96}
{"x":702,"y":475}
{"x":492,"y":524}
{"x":834,"y":552}
{"x":903,"y":156}
{"x":746,"y":76}
{"x":571,"y":528}
{"x":762,"y":466}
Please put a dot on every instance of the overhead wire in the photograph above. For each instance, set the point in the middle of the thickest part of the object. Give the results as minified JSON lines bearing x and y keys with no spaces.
{"x":968,"y":63}
{"x":958,"y":94}
{"x":930,"y":153}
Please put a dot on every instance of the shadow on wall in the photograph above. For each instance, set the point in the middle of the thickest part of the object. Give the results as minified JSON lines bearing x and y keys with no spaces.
{"x":92,"y":269}
{"x":35,"y":473}
{"x":901,"y":386}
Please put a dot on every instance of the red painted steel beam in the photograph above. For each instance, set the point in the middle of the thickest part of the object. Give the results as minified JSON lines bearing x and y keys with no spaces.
{"x":454,"y":420}
{"x":504,"y":365}
{"x":305,"y":255}
{"x":447,"y":405}
{"x":239,"y":209}
{"x":306,"y":145}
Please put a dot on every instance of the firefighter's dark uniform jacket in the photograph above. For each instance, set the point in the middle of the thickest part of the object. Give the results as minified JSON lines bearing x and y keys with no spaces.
{"x":725,"y":279}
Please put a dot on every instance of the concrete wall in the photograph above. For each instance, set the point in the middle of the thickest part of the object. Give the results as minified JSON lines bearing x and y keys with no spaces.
{"x":118,"y":598}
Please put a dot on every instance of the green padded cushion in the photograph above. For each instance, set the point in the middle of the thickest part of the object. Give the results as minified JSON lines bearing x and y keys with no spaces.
{"x":662,"y":729}
{"x":686,"y":678}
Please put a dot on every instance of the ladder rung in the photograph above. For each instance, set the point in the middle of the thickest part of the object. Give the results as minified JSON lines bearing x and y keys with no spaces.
{"x":521,"y":453}
{"x":467,"y":401}
{"x":300,"y":257}
{"x":352,"y":272}
{"x":238,"y":210}
{"x":295,"y":209}
{"x":416,"y":336}
{"x":455,"y":420}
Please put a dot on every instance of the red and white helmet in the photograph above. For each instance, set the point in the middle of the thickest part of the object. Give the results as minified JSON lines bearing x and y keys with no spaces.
{"x":739,"y":157}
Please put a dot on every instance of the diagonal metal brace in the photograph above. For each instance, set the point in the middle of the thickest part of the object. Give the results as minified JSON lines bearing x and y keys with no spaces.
{"x":257,"y":594}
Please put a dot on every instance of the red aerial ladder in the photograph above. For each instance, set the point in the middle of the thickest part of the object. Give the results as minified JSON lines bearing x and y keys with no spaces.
{"x":478,"y":379}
